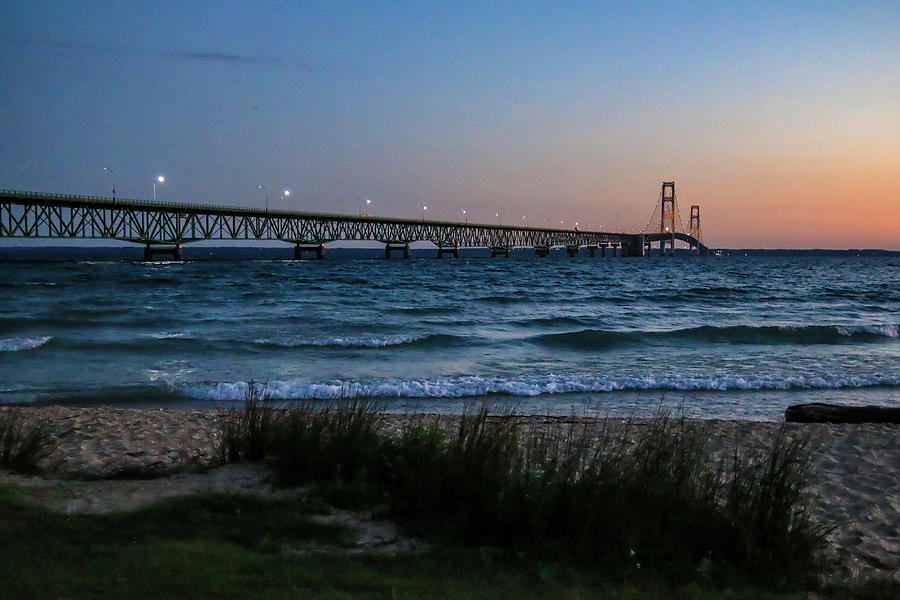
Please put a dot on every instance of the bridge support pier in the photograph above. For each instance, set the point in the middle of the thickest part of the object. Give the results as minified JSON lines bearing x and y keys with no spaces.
{"x":389,"y":247}
{"x":614,"y":247}
{"x":592,"y":249}
{"x":299,"y":249}
{"x":495,"y":250}
{"x":542,"y":251}
{"x":633,"y":248}
{"x":454,"y":250}
{"x":174,"y":251}
{"x":572,"y":250}
{"x":662,"y":246}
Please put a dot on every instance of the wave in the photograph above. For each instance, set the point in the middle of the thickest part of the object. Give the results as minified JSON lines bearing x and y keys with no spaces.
{"x":545,"y":322}
{"x":513,"y":298}
{"x":738,"y":334}
{"x":167,"y":335}
{"x":17,"y":344}
{"x":363,"y":341}
{"x":425,"y":310}
{"x":473,"y":386}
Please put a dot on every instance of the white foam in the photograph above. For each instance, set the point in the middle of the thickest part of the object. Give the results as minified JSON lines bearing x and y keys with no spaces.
{"x":344,"y":341}
{"x":886,"y":330}
{"x":166,"y":335}
{"x":17,"y":344}
{"x":473,"y":386}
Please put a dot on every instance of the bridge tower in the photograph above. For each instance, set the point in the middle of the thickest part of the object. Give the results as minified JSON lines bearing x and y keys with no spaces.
{"x":695,"y":222}
{"x":667,"y":216}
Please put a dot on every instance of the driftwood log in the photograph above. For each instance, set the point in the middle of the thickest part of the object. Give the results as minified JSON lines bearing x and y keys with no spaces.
{"x":833,"y":413}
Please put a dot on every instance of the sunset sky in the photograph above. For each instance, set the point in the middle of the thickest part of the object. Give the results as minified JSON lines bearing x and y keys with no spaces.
{"x":782,"y":120}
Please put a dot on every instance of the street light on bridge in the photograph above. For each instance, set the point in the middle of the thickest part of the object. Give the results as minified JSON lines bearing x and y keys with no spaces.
{"x":113,"y":175}
{"x":465,"y":215}
{"x":159,"y":180}
{"x":367,"y":203}
{"x":262,"y":188}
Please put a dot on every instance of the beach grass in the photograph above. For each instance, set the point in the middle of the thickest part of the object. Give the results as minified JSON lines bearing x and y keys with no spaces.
{"x":651,"y":498}
{"x":247,"y":433}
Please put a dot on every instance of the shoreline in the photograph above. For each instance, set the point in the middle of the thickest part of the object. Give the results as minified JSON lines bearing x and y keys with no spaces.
{"x":130,"y":457}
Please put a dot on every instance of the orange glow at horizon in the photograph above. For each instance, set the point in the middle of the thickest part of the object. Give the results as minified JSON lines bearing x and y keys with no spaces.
{"x":835,"y":206}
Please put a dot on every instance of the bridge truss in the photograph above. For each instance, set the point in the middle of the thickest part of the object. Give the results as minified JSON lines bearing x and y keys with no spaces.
{"x":155,"y":224}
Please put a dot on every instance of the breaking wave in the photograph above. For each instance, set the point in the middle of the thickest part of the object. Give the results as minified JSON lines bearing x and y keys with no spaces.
{"x":362,"y":341}
{"x":473,"y":386}
{"x":17,"y":344}
{"x":738,"y":334}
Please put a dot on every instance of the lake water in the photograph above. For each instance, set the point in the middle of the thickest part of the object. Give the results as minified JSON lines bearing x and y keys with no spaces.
{"x":720,"y":337}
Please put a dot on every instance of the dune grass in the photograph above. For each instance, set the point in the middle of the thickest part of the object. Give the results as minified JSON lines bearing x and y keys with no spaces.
{"x":651,"y":499}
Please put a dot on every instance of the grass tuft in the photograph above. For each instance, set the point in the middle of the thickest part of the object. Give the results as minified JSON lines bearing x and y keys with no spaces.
{"x":333,"y":442}
{"x":247,"y":433}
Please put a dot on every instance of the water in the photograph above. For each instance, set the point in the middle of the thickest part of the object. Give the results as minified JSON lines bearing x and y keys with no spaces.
{"x":721,"y":337}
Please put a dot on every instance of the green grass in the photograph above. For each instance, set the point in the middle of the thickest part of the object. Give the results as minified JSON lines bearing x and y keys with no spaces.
{"x":226,"y":546}
{"x":238,"y":547}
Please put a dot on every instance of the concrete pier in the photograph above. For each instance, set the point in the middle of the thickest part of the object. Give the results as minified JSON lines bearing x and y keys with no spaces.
{"x":572,"y":250}
{"x":299,"y":249}
{"x":542,"y":251}
{"x":495,"y":250}
{"x":392,"y":246}
{"x":174,"y":251}
{"x":454,"y":250}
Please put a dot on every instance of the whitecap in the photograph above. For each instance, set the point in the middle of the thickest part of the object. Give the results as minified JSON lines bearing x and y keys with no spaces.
{"x":525,"y":386}
{"x":886,"y":330}
{"x":17,"y":344}
{"x":343,"y":341}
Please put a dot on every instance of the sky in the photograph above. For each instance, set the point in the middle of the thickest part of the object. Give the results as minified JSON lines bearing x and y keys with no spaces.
{"x":781,"y":120}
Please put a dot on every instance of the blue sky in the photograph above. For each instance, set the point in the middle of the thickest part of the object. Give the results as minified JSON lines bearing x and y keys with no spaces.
{"x":780,"y":119}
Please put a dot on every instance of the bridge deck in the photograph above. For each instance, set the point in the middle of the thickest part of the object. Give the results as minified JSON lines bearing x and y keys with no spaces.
{"x":40,"y":215}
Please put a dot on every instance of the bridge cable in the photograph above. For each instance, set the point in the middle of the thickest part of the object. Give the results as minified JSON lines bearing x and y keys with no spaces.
{"x":678,"y":212}
{"x":652,"y":214}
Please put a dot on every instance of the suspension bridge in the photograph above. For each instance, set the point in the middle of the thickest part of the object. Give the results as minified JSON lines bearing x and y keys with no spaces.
{"x":163,"y":228}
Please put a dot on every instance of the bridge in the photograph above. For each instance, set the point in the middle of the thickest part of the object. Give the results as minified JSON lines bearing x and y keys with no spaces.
{"x":164,"y":227}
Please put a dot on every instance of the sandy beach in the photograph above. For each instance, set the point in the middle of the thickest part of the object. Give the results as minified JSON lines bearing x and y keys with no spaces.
{"x":120,"y":458}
